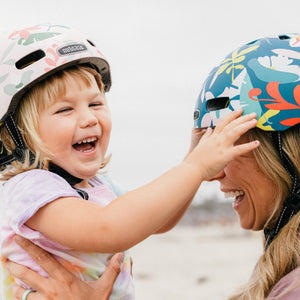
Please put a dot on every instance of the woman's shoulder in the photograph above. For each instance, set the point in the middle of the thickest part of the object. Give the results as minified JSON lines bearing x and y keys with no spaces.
{"x":288,"y":287}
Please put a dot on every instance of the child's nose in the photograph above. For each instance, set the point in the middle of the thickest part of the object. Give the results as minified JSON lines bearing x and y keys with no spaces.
{"x":88,"y":119}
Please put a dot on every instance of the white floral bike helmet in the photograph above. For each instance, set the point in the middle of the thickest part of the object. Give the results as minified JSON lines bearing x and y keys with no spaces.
{"x":31,"y":54}
{"x":262,"y":76}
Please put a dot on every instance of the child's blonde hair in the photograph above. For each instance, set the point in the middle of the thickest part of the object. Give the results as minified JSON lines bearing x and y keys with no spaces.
{"x":283,"y":254}
{"x":37,"y":99}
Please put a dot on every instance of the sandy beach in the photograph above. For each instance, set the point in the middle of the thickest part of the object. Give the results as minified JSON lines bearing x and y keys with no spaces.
{"x":195,"y":262}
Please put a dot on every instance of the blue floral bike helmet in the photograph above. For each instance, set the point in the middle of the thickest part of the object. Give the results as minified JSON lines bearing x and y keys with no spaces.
{"x":262,"y":76}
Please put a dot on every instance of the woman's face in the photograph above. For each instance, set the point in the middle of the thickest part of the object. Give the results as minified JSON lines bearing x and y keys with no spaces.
{"x":254,"y":194}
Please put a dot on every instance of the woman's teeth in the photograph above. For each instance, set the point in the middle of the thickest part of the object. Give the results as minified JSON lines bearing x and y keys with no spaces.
{"x":233,"y":194}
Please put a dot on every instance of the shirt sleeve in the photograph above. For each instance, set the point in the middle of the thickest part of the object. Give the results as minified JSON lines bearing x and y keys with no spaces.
{"x":25,"y":193}
{"x":287,"y":288}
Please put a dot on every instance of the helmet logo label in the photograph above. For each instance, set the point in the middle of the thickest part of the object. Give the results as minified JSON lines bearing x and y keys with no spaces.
{"x":70,"y":49}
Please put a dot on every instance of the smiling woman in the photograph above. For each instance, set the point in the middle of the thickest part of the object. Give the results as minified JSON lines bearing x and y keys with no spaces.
{"x":252,"y":188}
{"x":263,"y":76}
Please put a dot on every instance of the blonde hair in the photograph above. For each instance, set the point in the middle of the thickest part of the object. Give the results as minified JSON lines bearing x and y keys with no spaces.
{"x":283,"y":254}
{"x":27,"y":116}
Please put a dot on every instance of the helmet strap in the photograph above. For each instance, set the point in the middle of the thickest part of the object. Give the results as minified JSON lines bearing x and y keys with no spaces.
{"x":291,"y":204}
{"x":19,"y":152}
{"x":72,"y":180}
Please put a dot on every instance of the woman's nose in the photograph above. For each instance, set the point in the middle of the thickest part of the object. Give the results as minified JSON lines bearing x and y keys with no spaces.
{"x":218,"y":176}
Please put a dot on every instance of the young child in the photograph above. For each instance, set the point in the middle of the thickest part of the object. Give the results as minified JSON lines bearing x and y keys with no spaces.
{"x":55,"y":130}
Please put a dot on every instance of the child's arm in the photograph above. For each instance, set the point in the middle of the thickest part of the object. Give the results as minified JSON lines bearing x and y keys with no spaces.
{"x":195,"y":137}
{"x":134,"y":216}
{"x":174,"y":219}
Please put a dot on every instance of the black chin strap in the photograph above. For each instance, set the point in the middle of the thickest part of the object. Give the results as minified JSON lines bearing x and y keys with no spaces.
{"x":19,"y":152}
{"x":291,"y":204}
{"x":72,"y":180}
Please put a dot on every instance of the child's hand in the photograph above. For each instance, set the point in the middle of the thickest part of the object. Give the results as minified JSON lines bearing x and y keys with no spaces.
{"x":195,"y":138}
{"x":216,"y":147}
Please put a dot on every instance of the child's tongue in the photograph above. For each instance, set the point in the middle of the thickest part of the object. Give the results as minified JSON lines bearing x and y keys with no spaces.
{"x":83,"y":147}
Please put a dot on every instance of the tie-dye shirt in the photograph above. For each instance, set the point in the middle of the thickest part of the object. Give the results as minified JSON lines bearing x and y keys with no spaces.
{"x":23,"y":195}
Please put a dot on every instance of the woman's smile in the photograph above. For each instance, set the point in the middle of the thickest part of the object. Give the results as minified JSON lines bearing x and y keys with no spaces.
{"x":238,"y":196}
{"x":252,"y":191}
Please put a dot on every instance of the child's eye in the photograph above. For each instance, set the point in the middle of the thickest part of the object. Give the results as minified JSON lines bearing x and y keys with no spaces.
{"x":96,"y":104}
{"x":62,"y":110}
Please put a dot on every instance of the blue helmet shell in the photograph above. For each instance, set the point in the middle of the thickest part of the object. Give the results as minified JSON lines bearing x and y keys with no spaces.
{"x":263,"y":77}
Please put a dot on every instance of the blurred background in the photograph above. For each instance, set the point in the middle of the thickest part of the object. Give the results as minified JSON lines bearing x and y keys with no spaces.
{"x":160,"y":52}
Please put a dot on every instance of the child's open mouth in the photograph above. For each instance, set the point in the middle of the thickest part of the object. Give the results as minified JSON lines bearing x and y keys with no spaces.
{"x":86,"y":145}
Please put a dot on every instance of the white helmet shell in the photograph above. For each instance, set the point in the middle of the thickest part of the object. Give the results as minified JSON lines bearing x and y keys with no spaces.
{"x":31,"y":54}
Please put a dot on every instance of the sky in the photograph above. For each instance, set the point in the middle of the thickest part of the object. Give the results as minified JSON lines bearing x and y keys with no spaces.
{"x":160,"y":52}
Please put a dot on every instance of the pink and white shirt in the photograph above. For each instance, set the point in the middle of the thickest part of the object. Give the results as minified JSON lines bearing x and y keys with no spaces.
{"x":23,"y":195}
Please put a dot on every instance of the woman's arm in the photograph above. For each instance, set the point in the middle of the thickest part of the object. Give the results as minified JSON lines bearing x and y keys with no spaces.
{"x":61,"y":284}
{"x":134,"y":216}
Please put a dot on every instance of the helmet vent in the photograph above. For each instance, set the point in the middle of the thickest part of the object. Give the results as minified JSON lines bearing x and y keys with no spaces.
{"x":284,"y":37}
{"x":91,"y":43}
{"x":217,"y":103}
{"x":253,"y":42}
{"x":30,"y":59}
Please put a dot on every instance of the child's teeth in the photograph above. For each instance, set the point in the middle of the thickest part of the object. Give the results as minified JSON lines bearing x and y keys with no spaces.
{"x":89,"y":140}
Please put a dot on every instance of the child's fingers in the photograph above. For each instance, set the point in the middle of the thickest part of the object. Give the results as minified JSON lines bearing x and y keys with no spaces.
{"x":240,"y":129}
{"x":245,"y":148}
{"x":228,"y":119}
{"x":241,"y":120}
{"x":233,"y":120}
{"x":237,"y":127}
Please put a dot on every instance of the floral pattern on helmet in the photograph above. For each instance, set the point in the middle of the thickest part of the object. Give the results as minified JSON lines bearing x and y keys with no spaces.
{"x":32,"y":53}
{"x":263,"y":77}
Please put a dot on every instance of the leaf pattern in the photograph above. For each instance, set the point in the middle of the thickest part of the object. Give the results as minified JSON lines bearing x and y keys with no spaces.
{"x":230,"y":64}
{"x":278,"y":102}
